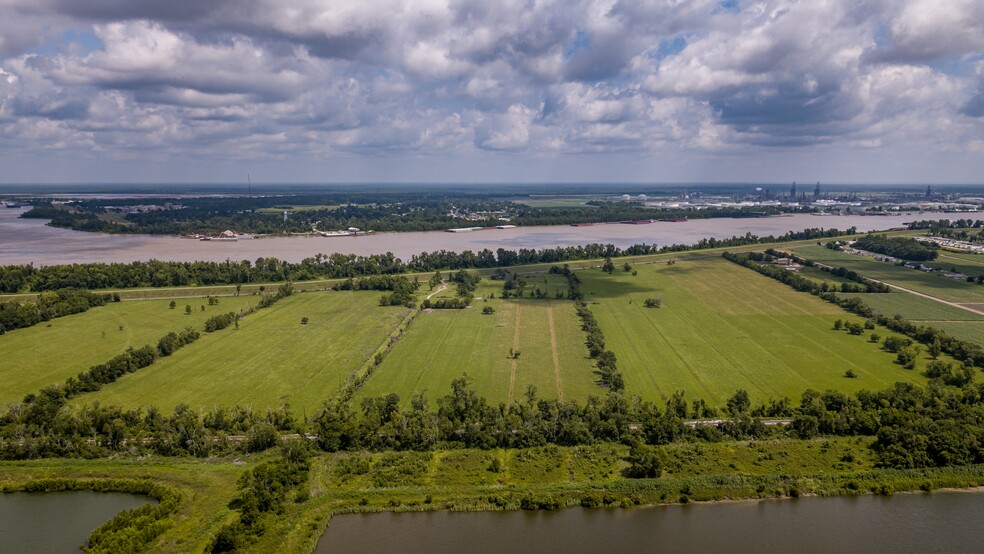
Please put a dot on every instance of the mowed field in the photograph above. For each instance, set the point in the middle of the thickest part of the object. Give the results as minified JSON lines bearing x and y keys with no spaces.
{"x":272,"y":359}
{"x":442,"y":345}
{"x":52,"y":351}
{"x":723,"y":327}
{"x":933,"y":284}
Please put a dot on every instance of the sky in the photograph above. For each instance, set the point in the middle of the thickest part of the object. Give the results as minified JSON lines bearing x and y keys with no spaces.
{"x":851,"y":91}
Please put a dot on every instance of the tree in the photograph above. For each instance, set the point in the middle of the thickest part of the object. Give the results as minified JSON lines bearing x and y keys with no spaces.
{"x":187,"y":309}
{"x":608,"y":266}
{"x":850,"y":374}
{"x":739,"y":403}
{"x":172,"y":305}
{"x":627,"y":268}
{"x":838,"y":325}
{"x":653,"y":302}
{"x":487,"y":310}
{"x":304,"y":320}
{"x":935,"y":348}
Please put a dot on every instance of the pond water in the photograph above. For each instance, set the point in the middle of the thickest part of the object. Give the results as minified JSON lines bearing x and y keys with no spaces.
{"x":939,"y":522}
{"x":56,"y":522}
{"x":32,"y":241}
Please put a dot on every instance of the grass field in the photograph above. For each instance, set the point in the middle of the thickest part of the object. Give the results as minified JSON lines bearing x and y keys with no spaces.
{"x":933,"y":284}
{"x":970,"y":331}
{"x":52,"y":351}
{"x":913,"y":307}
{"x":723,"y":327}
{"x":970,"y":264}
{"x":270,"y":360}
{"x":444,"y":344}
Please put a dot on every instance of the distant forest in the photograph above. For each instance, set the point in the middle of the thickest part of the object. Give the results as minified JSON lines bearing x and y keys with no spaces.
{"x":376,"y":212}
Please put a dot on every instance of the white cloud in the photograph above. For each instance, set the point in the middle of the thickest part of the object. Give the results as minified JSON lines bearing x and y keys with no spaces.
{"x":309,"y":79}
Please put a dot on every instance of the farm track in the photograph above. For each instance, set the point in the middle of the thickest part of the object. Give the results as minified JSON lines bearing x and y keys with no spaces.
{"x":512,"y":369}
{"x":553,"y":350}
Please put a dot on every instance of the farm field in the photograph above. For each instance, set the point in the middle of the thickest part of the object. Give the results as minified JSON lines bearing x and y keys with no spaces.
{"x":52,"y":351}
{"x":442,"y":345}
{"x":970,"y":264}
{"x":970,"y":331}
{"x":932,"y":284}
{"x":916,"y":308}
{"x":270,"y":360}
{"x":722,"y":328}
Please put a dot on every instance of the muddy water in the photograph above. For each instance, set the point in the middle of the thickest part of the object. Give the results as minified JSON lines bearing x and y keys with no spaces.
{"x":30,"y":240}
{"x":56,"y":522}
{"x":939,"y":522}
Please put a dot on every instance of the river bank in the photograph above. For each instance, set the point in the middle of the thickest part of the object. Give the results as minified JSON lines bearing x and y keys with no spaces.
{"x":459,"y":480}
{"x":32,"y":241}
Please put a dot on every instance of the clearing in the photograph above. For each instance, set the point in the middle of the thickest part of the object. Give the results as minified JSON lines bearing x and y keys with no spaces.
{"x":52,"y":351}
{"x":271,"y":360}
{"x":723,"y":327}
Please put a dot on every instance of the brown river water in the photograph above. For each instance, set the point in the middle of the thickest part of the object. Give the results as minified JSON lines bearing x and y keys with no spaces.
{"x":32,"y":241}
{"x":946,"y":522}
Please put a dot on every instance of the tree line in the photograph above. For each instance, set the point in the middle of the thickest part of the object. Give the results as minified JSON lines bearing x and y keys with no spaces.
{"x":903,"y":248}
{"x":50,"y":305}
{"x":915,"y":426}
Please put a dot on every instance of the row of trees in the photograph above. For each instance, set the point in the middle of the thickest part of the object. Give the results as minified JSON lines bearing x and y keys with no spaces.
{"x":49,"y":305}
{"x":936,"y":425}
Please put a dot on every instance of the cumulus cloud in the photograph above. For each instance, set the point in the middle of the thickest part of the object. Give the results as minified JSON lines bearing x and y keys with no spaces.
{"x":311,"y":79}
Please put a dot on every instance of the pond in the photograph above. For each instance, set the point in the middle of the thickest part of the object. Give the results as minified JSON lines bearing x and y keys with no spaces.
{"x":938,"y":522}
{"x":56,"y":522}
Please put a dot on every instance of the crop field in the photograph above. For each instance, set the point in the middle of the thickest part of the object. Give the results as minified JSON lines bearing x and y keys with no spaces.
{"x":52,"y":351}
{"x":722,"y":327}
{"x":970,"y":264}
{"x":970,"y":331}
{"x":933,"y":284}
{"x":272,"y":359}
{"x":915,"y":308}
{"x":442,"y":345}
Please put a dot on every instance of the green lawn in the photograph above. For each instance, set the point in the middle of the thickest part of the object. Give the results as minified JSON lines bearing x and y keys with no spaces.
{"x":933,"y":284}
{"x":723,"y":327}
{"x":442,"y":345}
{"x":52,"y":351}
{"x":270,"y":360}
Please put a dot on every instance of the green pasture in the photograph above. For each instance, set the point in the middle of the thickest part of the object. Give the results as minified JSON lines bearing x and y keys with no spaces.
{"x":967,"y":263}
{"x":723,"y":327}
{"x":271,"y":360}
{"x":52,"y":351}
{"x":913,"y":307}
{"x":442,"y":345}
{"x":933,"y":284}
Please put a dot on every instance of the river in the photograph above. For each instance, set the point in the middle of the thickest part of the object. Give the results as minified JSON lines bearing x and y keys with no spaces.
{"x":56,"y":522}
{"x":939,"y":522}
{"x":32,"y":241}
